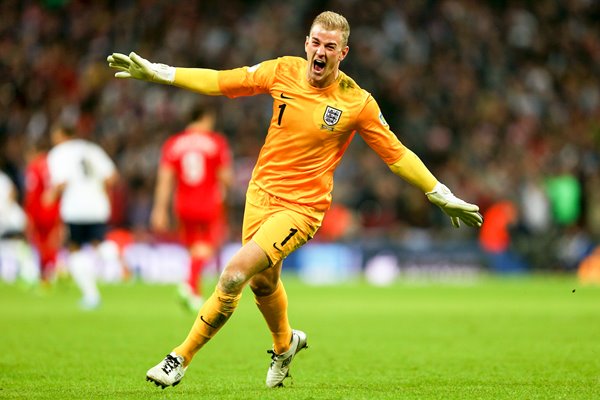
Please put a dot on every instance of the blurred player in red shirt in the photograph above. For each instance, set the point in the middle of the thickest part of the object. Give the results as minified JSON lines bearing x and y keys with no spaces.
{"x":195,"y":167}
{"x":44,"y":226}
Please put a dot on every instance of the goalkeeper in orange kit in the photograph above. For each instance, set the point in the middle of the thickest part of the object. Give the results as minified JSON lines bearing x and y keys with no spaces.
{"x":317,"y":109}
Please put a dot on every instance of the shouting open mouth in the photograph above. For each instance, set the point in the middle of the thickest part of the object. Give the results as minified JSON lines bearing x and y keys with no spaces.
{"x":319,"y":66}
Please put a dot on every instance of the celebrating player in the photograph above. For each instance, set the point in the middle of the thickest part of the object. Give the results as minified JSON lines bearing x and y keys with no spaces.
{"x":317,"y":108}
{"x":197,"y":164}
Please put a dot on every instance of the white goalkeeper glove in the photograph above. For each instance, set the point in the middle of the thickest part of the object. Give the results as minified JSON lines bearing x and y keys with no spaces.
{"x":454,"y":207}
{"x":134,"y":66}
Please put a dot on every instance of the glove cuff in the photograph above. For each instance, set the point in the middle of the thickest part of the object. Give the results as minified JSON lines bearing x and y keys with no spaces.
{"x":439,"y":188}
{"x":163,"y":73}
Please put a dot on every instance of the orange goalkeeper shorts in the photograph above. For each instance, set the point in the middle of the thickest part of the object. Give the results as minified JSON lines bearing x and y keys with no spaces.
{"x":277,"y":226}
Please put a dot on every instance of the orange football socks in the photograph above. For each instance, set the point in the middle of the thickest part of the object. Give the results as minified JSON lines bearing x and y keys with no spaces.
{"x":211,"y":317}
{"x":274,"y":309}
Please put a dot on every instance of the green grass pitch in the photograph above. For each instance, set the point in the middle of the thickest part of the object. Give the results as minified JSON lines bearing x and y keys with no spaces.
{"x":511,"y":338}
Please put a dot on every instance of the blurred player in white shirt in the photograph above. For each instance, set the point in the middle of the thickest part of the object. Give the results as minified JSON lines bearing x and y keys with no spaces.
{"x":81,"y":173}
{"x":14,"y":249}
{"x":12,"y":217}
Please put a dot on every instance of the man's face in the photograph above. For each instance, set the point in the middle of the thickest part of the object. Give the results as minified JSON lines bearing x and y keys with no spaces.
{"x":324,"y":52}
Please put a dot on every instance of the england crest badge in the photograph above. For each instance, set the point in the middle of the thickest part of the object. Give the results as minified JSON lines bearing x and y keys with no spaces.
{"x":332,"y":115}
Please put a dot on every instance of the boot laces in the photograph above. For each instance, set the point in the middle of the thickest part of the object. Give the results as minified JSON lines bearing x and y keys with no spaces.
{"x":274,"y":356}
{"x":170,"y":364}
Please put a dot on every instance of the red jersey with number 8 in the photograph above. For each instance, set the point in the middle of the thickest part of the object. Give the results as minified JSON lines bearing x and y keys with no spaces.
{"x":196,"y":157}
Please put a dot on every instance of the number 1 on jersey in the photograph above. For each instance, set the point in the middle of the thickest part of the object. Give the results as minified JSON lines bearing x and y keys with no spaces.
{"x":281,"y":109}
{"x":293,"y":231}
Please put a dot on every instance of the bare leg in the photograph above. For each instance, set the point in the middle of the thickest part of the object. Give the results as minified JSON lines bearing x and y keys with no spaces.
{"x":246,"y":263}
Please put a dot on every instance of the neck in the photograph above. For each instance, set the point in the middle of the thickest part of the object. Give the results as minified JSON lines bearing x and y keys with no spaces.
{"x":201,"y":125}
{"x":325,"y":82}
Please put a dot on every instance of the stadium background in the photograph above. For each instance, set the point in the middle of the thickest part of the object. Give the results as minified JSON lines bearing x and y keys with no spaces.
{"x":500,"y":98}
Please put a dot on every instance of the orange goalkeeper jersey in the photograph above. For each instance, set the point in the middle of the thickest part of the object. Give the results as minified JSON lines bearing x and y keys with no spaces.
{"x":310,"y":128}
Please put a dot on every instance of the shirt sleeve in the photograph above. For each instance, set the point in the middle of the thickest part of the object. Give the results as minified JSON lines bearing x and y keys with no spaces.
{"x":5,"y":188}
{"x":374,"y":129}
{"x":248,"y":81}
{"x":104,"y":165}
{"x":58,"y":174}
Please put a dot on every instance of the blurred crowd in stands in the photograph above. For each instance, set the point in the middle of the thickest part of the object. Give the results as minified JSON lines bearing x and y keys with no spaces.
{"x":501,"y":99}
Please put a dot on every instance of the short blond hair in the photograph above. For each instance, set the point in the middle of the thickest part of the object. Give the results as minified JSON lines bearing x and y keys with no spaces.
{"x":334,"y":22}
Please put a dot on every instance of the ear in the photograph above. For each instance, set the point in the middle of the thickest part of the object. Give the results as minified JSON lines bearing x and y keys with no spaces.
{"x":344,"y":53}
{"x":306,"y":44}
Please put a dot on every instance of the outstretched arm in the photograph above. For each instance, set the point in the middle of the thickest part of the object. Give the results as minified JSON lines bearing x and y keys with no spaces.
{"x":201,"y":80}
{"x":411,"y":168}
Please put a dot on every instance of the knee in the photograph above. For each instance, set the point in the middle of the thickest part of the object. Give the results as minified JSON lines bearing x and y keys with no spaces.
{"x":263,"y":285}
{"x":249,"y":261}
{"x":232,"y":281}
{"x":234,"y":277}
